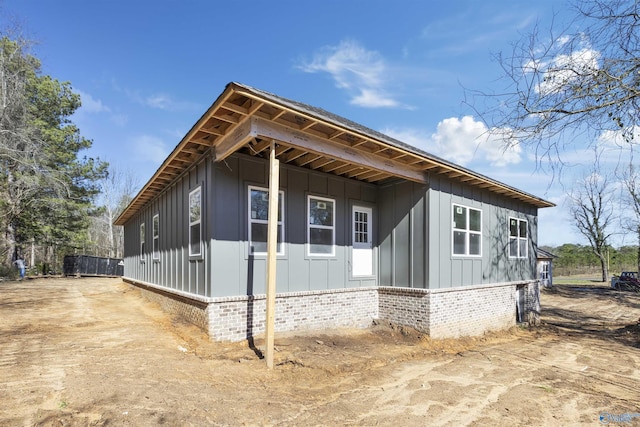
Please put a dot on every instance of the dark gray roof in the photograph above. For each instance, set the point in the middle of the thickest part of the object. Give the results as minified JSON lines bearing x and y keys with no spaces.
{"x":541,"y":253}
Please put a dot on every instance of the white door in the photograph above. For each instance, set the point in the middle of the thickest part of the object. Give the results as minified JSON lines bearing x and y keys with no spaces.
{"x":362,"y":252}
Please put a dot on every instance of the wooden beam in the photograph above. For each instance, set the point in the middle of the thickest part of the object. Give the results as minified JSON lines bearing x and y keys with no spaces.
{"x":281,"y":149}
{"x":453,"y":174}
{"x":235,"y":108}
{"x":260,"y":146}
{"x":369,"y":175}
{"x":255,"y":107}
{"x":378,"y":178}
{"x":348,"y":168}
{"x":180,"y":159}
{"x":361,"y":172}
{"x":321,"y":162}
{"x":336,"y":134}
{"x":429,"y":167}
{"x":307,"y":158}
{"x":193,"y":150}
{"x":212,"y":131}
{"x":232,"y":141}
{"x":381,"y":150}
{"x":292,"y":155}
{"x":227,"y":118}
{"x":326,"y":147}
{"x":272,"y":249}
{"x":308,"y":125}
{"x":278,"y":114}
{"x":357,"y":143}
{"x":397,"y":156}
{"x":334,"y":166}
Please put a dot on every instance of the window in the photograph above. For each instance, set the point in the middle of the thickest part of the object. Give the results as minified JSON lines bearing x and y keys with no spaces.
{"x":258,"y":216}
{"x":142,"y":242}
{"x":518,"y":238}
{"x":544,"y":274}
{"x":156,"y":237}
{"x":361,"y":227}
{"x":195,"y":213}
{"x":467,"y":231}
{"x":321,"y":235}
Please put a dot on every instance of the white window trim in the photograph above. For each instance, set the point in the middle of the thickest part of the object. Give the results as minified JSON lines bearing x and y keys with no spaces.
{"x":519,"y":239}
{"x":142,"y":239}
{"x":324,"y":227}
{"x":199,"y":221}
{"x":466,"y":231}
{"x":261,"y":221}
{"x":156,"y":237}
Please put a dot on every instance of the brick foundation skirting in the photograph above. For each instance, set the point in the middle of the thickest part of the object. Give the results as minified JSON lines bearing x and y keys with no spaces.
{"x":441,"y":313}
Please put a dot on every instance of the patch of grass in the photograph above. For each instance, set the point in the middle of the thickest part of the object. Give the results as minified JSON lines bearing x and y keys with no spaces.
{"x":63,"y":404}
{"x":545,"y":388}
{"x":577,"y":280}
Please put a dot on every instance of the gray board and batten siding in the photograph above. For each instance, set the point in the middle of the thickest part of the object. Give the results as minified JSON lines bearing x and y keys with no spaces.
{"x":174,"y":268}
{"x":417,"y":240}
{"x":412,"y":235}
{"x":226,"y":267}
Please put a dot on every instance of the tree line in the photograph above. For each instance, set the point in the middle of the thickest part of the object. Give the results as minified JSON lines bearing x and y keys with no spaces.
{"x":574,"y":259}
{"x":53,"y":199}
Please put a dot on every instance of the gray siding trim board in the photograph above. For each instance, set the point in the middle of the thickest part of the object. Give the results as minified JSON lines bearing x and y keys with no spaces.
{"x":191,"y":298}
{"x":195,"y":299}
{"x":455,"y":288}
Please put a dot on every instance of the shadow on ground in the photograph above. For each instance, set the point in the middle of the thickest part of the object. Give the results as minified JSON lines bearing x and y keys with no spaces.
{"x":609,"y":319}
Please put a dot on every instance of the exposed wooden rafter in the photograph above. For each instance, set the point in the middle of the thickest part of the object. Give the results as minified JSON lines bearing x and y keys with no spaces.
{"x":245,"y":119}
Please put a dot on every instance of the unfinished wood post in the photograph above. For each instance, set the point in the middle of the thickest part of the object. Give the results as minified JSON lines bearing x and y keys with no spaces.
{"x":272,"y":249}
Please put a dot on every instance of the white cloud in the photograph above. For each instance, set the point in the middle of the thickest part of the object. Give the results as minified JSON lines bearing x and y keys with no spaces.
{"x":371,"y":98}
{"x":616,"y":138}
{"x":160,"y":101}
{"x":90,"y":104}
{"x":165,"y":102}
{"x":565,"y":69}
{"x":150,"y":148}
{"x":461,"y":141}
{"x":363,"y":73}
{"x":610,"y":147}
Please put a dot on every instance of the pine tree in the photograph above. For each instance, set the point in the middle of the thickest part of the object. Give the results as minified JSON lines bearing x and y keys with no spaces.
{"x":46,"y":189}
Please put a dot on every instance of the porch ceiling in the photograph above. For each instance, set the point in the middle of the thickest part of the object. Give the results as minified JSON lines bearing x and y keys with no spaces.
{"x":247,"y":120}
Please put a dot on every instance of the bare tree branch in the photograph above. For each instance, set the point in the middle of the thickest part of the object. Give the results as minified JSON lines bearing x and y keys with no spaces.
{"x":593,"y":211}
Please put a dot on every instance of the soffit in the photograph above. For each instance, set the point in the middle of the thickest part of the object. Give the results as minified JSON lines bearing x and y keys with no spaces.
{"x":248,"y":120}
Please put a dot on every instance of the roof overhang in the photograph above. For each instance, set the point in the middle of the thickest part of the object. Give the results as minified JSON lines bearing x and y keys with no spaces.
{"x":247,"y":120}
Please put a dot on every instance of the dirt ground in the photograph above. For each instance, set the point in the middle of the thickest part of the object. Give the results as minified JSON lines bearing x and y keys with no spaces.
{"x":92,"y":352}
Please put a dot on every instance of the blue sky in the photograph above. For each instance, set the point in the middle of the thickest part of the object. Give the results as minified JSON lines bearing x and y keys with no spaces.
{"x":147,"y":70}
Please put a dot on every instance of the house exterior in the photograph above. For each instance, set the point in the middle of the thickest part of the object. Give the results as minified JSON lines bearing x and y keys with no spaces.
{"x":545,"y":267}
{"x":368,"y":228}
